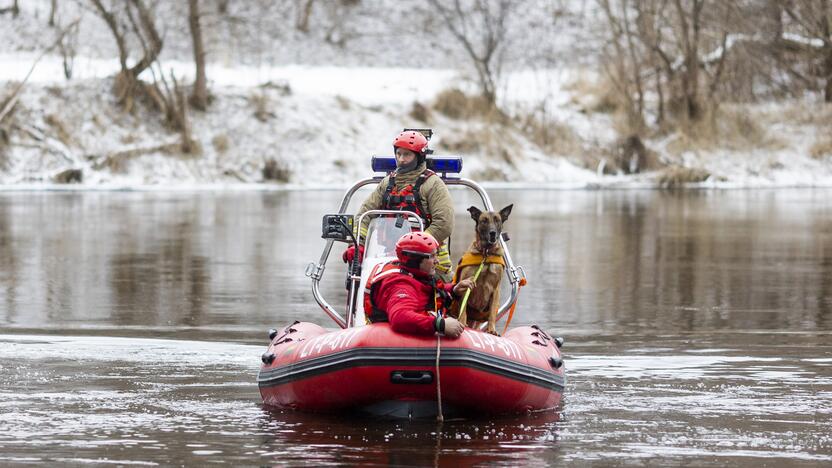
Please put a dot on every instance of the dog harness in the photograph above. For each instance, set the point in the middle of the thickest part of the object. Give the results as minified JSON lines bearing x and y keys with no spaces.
{"x":475,"y":259}
{"x":439,"y":301}
{"x":408,"y":198}
{"x":471,"y":259}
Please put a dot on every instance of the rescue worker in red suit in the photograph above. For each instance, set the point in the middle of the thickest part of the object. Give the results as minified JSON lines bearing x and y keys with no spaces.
{"x":407,"y":294}
{"x":413,"y":187}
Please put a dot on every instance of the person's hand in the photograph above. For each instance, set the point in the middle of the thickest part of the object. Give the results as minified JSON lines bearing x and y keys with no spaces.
{"x":453,"y":328}
{"x":464,"y":285}
{"x":349,"y":254}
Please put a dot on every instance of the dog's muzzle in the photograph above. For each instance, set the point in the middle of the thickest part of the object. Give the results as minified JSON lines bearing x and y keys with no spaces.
{"x":492,"y":237}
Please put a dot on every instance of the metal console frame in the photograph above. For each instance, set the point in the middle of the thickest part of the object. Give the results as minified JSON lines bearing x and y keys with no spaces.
{"x":315,"y":271}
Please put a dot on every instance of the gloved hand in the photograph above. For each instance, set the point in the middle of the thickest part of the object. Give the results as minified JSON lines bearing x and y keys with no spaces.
{"x":452,"y":328}
{"x":349,"y":254}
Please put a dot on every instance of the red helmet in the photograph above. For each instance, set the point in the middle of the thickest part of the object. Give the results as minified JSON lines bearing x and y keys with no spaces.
{"x":415,"y":246}
{"x":411,"y":140}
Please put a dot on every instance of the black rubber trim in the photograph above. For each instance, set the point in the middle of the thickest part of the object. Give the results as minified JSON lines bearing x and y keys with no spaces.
{"x":366,"y":357}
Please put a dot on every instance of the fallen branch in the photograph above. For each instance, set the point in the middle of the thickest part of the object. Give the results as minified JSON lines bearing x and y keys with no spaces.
{"x":16,"y":93}
{"x":115,"y":158}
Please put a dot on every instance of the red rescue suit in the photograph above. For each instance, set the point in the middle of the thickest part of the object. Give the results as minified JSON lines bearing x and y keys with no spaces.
{"x":395,"y":295}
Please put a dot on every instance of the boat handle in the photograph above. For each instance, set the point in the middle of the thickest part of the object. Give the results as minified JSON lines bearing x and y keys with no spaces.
{"x":411,"y":377}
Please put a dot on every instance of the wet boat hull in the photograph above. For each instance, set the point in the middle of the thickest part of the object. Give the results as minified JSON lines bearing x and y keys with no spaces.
{"x":376,"y":370}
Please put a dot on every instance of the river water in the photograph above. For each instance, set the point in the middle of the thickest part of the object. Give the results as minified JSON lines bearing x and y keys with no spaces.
{"x":697,"y":324}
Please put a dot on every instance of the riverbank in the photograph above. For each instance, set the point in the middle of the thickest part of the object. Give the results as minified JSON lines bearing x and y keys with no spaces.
{"x":317,"y":127}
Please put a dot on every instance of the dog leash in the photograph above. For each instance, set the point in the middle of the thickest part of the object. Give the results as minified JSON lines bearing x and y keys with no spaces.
{"x":468,"y":291}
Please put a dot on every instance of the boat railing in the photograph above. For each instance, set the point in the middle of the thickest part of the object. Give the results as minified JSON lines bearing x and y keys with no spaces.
{"x":315,"y":271}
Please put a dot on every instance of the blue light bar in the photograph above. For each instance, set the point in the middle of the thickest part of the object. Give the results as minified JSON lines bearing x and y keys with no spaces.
{"x":441,"y":164}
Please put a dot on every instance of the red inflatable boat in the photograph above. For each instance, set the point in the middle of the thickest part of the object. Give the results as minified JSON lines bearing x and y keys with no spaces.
{"x":372,"y":369}
{"x":380,"y":372}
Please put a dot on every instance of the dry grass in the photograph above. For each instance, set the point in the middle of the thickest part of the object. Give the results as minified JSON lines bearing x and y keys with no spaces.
{"x":455,"y":104}
{"x":492,"y":174}
{"x":4,"y":142}
{"x":420,"y":112}
{"x":262,"y":106}
{"x":468,"y":142}
{"x":60,"y":129}
{"x":552,"y":136}
{"x":343,"y":102}
{"x":274,"y":171}
{"x":821,"y":148}
{"x":282,"y":89}
{"x":801,"y":113}
{"x":591,"y":95}
{"x":735,"y":127}
{"x":69,"y":176}
{"x":220,"y":143}
{"x":676,"y":176}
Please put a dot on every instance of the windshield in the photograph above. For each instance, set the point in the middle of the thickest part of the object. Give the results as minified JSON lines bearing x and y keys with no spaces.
{"x":382,"y":235}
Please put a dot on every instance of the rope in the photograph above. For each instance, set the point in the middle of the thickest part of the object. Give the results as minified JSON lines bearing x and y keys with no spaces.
{"x":468,"y":291}
{"x":513,"y":306}
{"x":439,"y":416}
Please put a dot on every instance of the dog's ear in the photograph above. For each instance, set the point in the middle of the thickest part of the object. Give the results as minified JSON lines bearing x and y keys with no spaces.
{"x":505,"y":212}
{"x":475,"y":213}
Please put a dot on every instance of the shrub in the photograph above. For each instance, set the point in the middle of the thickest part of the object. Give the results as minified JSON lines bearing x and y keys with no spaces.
{"x":677,"y":176}
{"x":276,"y":172}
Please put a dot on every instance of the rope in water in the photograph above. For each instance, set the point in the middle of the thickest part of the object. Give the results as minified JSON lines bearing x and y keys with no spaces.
{"x":439,"y":416}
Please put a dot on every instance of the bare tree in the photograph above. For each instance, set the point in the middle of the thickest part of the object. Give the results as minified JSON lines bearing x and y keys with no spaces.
{"x":169,"y":100}
{"x":199,"y":97}
{"x":9,"y":102}
{"x":480,"y":28}
{"x":304,"y":11}
{"x":147,"y":34}
{"x":624,"y":60}
{"x":68,"y":47}
{"x":807,"y":33}
{"x":222,"y":7}
{"x":53,"y":9}
{"x":339,"y":29}
{"x":14,"y":9}
{"x":681,"y":46}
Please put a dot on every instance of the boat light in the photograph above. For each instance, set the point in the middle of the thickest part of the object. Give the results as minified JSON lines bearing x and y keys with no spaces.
{"x":441,"y":164}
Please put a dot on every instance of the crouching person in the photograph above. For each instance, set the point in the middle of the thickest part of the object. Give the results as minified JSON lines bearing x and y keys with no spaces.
{"x":407,"y":294}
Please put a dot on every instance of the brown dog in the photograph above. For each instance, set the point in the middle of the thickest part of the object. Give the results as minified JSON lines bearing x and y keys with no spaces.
{"x":484,"y":300}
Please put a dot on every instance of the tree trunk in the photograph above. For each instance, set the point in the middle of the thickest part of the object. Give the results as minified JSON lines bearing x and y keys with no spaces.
{"x":660,"y":94}
{"x":15,"y":9}
{"x":827,"y":91}
{"x":155,"y":41}
{"x":303,"y":16}
{"x":52,"y":11}
{"x":199,"y":98}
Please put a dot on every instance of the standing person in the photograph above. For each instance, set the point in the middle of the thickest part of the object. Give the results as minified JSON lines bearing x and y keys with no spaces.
{"x":407,"y":294}
{"x":414,"y":187}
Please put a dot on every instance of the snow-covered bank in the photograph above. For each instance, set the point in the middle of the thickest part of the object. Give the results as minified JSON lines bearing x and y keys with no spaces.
{"x":322,"y":125}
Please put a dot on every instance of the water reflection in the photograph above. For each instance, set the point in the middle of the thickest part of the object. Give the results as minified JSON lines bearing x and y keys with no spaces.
{"x":595,"y":260}
{"x":697,"y":326}
{"x":528,"y":440}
